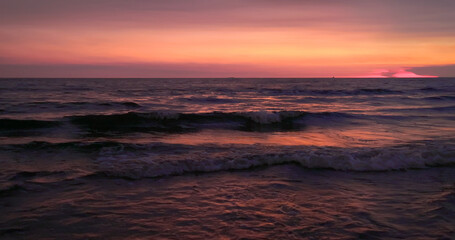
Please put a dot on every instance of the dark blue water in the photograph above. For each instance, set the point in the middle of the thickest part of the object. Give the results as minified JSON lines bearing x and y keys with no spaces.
{"x":110,"y":158}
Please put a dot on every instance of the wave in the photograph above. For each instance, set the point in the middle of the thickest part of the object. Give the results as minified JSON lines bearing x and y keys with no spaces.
{"x":133,"y":161}
{"x":447,"y":109}
{"x":47,"y":176}
{"x":80,"y":103}
{"x":181,"y":122}
{"x":440,"y":98}
{"x":212,"y":100}
{"x":78,"y":146}
{"x":169,"y":122}
{"x":430,"y":89}
{"x":130,"y":164}
{"x":173,"y":122}
{"x":377,"y":91}
{"x":329,"y":92}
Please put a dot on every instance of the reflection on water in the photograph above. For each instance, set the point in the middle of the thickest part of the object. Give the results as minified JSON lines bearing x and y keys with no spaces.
{"x":279,"y":202}
{"x":358,"y":136}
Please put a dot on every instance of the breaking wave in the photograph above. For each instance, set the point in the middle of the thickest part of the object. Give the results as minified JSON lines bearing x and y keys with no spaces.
{"x":138,"y":164}
{"x":176,"y":122}
{"x":170,"y":122}
{"x":127,"y":160}
{"x":181,"y":122}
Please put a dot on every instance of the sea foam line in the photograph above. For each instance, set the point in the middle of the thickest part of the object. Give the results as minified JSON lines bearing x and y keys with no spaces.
{"x":138,"y":164}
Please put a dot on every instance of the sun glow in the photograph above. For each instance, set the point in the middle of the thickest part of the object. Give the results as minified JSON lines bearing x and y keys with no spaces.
{"x":307,"y":44}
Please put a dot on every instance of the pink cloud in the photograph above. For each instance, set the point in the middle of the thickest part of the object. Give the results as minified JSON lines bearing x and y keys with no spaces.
{"x":405,"y":73}
{"x":394,"y":73}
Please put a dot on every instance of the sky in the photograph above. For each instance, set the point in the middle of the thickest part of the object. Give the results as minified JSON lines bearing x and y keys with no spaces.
{"x":227,"y":38}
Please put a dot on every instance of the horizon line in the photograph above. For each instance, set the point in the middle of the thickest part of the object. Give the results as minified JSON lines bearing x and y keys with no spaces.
{"x":223,"y":77}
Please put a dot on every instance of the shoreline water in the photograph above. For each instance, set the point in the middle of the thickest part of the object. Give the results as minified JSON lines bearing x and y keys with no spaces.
{"x":284,"y":201}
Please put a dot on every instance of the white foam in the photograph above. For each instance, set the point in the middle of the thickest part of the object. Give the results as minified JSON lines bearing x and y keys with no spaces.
{"x":144,"y":163}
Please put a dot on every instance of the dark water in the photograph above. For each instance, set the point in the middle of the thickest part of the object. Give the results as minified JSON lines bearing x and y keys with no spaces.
{"x":227,"y":158}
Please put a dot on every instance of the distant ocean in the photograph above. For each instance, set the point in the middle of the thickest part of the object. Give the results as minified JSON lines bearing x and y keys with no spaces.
{"x":227,"y":158}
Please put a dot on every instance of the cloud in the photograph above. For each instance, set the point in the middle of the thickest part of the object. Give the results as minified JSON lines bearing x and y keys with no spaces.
{"x":396,"y":73}
{"x":442,"y":71}
{"x":406,"y":73}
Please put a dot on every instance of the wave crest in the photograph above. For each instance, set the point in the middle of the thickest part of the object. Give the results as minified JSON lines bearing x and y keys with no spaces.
{"x":138,"y":164}
{"x":178,"y":122}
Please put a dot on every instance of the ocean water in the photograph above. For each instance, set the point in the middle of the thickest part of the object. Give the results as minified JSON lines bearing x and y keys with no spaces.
{"x":227,"y":158}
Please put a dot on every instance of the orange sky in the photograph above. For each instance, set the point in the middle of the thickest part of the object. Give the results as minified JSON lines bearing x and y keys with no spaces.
{"x":257,"y":38}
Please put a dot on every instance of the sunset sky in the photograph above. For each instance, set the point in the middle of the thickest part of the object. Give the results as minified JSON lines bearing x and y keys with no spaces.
{"x":229,"y":38}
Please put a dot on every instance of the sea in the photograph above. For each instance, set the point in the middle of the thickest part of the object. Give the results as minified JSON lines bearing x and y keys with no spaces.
{"x":231,"y":158}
